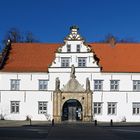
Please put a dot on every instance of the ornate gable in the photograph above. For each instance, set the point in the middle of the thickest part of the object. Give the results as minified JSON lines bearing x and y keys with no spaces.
{"x":74,"y":35}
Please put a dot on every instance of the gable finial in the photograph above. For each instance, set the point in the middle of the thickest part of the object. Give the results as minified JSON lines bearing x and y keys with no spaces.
{"x":74,"y":35}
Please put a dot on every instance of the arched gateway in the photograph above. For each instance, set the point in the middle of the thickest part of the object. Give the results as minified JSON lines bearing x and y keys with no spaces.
{"x":72,"y":110}
{"x":73,"y":102}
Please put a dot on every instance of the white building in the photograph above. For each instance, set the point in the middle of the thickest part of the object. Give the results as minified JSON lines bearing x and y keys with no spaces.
{"x":70,"y":81}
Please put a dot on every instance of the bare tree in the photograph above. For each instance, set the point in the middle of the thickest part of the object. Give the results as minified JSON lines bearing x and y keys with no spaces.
{"x":15,"y":35}
{"x":127,"y":40}
{"x":30,"y":38}
{"x":110,"y":38}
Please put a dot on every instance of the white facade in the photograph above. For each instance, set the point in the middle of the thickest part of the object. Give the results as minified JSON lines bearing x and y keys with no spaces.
{"x":124,"y":98}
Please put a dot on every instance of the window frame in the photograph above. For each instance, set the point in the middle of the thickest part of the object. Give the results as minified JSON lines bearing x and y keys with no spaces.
{"x":137,"y":85}
{"x":15,"y":84}
{"x":39,"y":84}
{"x":136,"y":108}
{"x":112,"y":110}
{"x":78,"y":48}
{"x":98,"y":108}
{"x":114,"y":84}
{"x":15,"y":107}
{"x":65,"y":64}
{"x":98,"y":85}
{"x":68,"y":47}
{"x":81,"y":63}
{"x":42,"y":111}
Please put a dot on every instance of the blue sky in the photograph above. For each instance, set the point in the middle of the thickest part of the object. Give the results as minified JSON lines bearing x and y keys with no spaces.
{"x":49,"y":20}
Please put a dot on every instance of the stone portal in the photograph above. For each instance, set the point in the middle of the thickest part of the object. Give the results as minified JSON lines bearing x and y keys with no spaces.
{"x":72,"y":92}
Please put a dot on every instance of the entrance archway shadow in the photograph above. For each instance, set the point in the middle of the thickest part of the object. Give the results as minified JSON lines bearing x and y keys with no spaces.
{"x":72,"y":110}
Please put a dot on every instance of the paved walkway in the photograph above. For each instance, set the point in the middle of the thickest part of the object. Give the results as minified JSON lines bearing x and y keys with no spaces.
{"x":80,"y":131}
{"x":21,"y":130}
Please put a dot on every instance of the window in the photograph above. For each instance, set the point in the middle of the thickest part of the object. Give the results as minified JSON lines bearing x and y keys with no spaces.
{"x":97,"y":108}
{"x":65,"y":62}
{"x":43,"y":84}
{"x":42,"y":107}
{"x":78,"y":48}
{"x":68,"y":48}
{"x":114,"y":85}
{"x":136,"y":85}
{"x":136,"y":108}
{"x":112,"y":108}
{"x":98,"y":84}
{"x":81,"y":62}
{"x":14,"y":106}
{"x":15,"y":84}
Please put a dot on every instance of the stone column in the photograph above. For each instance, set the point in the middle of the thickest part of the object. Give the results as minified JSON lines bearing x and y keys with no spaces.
{"x":89,"y":100}
{"x":57,"y":106}
{"x":88,"y":107}
{"x":57,"y":101}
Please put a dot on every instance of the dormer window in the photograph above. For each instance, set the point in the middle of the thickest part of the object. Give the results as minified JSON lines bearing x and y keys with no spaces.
{"x":68,"y":48}
{"x":78,"y":48}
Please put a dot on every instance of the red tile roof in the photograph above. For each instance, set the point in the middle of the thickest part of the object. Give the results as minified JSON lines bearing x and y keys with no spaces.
{"x":124,"y":57}
{"x":36,"y":57}
{"x":30,"y":57}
